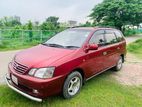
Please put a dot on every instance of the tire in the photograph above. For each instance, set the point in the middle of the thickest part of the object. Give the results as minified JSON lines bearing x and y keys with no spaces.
{"x":72,"y":85}
{"x":119,"y":64}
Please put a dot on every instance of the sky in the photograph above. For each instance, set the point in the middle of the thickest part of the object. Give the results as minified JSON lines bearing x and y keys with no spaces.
{"x":39,"y":10}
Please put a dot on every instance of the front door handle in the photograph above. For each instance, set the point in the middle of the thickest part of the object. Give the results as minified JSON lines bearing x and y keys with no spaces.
{"x":104,"y":53}
{"x":118,"y":48}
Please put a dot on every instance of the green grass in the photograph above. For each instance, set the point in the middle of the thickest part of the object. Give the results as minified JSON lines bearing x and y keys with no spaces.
{"x":16,"y":41}
{"x":15,"y":44}
{"x":7,"y":47}
{"x":136,"y":47}
{"x":101,"y":91}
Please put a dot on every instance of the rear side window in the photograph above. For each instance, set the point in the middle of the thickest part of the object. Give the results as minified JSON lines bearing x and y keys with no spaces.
{"x":118,"y":35}
{"x":110,"y":37}
{"x":98,"y":38}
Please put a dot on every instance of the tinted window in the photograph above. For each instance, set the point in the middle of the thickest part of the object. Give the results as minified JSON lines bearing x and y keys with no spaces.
{"x":119,"y":35}
{"x":110,"y":37}
{"x":98,"y":38}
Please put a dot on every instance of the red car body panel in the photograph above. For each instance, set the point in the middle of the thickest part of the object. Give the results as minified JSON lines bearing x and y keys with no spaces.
{"x":65,"y":61}
{"x":42,"y":54}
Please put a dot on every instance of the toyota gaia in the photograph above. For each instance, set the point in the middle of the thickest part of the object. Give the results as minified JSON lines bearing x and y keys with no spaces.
{"x":64,"y":62}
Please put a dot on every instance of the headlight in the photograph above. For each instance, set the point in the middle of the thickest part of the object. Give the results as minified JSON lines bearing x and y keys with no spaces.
{"x":42,"y":72}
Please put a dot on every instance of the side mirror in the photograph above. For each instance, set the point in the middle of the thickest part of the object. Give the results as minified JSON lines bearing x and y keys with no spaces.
{"x":91,"y":47}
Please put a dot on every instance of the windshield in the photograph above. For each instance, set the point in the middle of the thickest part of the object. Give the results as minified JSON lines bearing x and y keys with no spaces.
{"x":71,"y":38}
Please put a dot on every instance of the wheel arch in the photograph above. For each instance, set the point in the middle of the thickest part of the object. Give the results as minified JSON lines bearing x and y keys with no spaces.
{"x":81,"y":71}
{"x":123,"y":57}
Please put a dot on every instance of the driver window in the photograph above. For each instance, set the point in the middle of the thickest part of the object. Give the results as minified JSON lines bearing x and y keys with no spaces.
{"x":98,"y":38}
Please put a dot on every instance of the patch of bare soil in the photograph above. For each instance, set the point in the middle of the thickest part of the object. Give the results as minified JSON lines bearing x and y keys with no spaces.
{"x":131,"y":73}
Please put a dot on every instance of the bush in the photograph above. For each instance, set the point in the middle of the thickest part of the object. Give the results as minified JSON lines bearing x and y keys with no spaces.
{"x":131,"y":32}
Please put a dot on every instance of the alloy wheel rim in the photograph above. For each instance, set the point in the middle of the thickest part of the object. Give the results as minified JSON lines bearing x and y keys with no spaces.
{"x":119,"y":65}
{"x":74,"y":85}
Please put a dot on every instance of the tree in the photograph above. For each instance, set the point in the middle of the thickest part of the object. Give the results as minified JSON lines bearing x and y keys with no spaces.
{"x":1,"y":23}
{"x":117,"y":13}
{"x":10,"y":21}
{"x":87,"y":24}
{"x":51,"y":23}
{"x":16,"y":31}
{"x":30,"y":26}
{"x":47,"y":26}
{"x":53,"y":20}
{"x":36,"y":25}
{"x":15,"y":23}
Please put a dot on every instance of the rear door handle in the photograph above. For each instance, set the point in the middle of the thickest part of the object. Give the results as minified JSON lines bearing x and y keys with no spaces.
{"x":104,"y":53}
{"x":118,"y":48}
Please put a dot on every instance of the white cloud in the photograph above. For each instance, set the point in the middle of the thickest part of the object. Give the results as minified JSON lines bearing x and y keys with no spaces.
{"x":41,"y":9}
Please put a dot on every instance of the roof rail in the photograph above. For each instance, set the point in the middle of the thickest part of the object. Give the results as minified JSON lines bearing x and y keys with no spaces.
{"x":105,"y":27}
{"x":94,"y":27}
{"x":74,"y":26}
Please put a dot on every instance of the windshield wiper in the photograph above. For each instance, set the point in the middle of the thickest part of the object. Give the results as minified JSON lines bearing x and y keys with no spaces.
{"x":72,"y":47}
{"x":57,"y":45}
{"x":53,"y":45}
{"x":45,"y":44}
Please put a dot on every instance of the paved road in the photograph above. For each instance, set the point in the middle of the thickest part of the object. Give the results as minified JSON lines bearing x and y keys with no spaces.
{"x":6,"y":57}
{"x":133,"y":38}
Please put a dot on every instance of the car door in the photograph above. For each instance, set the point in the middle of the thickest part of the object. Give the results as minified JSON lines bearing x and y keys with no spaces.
{"x":112,"y":46}
{"x":96,"y":61}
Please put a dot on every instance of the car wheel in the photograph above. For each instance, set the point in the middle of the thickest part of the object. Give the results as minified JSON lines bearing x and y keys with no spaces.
{"x":72,"y":85}
{"x":119,"y":64}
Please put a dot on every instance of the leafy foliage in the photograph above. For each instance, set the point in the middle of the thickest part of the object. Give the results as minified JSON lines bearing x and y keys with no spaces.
{"x":87,"y":24}
{"x":117,"y":13}
{"x":9,"y":22}
{"x":51,"y":23}
{"x":30,"y":26}
{"x":132,"y":32}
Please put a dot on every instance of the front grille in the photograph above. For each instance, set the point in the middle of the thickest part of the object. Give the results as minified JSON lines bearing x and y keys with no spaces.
{"x":19,"y":67}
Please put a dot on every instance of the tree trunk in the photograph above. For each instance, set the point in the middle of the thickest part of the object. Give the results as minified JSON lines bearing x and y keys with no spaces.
{"x":120,"y":27}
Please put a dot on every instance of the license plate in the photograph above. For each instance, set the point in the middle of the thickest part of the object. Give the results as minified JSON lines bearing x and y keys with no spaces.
{"x":14,"y":79}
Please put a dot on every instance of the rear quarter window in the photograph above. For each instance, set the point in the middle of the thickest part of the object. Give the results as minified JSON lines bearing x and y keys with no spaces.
{"x":119,"y":35}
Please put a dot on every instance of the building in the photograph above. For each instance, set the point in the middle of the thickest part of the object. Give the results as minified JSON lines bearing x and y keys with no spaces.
{"x":16,"y":18}
{"x":72,"y":23}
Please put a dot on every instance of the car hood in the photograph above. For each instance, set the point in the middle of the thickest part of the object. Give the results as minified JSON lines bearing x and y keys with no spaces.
{"x":37,"y":55}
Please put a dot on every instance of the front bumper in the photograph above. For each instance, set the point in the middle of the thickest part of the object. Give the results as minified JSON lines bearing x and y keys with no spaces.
{"x":8,"y":81}
{"x":34,"y":87}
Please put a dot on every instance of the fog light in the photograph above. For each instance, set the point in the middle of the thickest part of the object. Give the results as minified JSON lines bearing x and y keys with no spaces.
{"x":35,"y":91}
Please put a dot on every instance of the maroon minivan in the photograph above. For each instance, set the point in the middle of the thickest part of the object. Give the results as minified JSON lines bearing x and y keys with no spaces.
{"x":65,"y":61}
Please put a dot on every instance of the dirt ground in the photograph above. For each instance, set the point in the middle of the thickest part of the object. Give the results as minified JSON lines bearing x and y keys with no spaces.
{"x":131,"y":73}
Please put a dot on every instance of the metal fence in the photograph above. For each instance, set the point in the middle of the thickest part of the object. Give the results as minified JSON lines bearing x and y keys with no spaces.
{"x":14,"y":37}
